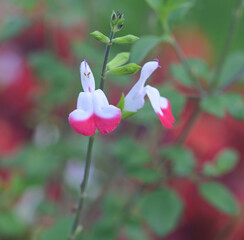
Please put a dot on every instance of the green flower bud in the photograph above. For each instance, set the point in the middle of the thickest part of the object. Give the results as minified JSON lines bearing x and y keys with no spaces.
{"x":118,"y":60}
{"x":125,"y":39}
{"x":100,"y":37}
{"x":127,"y":69}
{"x":117,"y":21}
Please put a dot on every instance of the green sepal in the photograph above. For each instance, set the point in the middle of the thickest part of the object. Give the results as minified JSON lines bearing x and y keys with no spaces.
{"x":121,"y":103}
{"x":100,"y":37}
{"x":125,"y":39}
{"x":127,"y":69}
{"x":126,"y":114}
{"x":118,"y":60}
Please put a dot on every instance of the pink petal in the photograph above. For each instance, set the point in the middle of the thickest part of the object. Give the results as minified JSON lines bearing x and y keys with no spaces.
{"x":85,"y":127}
{"x":82,"y":119}
{"x":165,"y":121}
{"x":107,"y":117}
{"x":107,"y":125}
{"x":168,"y":112}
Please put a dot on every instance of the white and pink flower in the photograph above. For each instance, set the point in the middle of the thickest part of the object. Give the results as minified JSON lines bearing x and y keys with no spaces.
{"x":134,"y":100}
{"x":93,"y":110}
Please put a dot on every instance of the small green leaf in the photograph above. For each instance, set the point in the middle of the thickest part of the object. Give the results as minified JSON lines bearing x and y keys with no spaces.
{"x":125,"y":39}
{"x":219,"y":196}
{"x":226,"y":161}
{"x":121,"y":103}
{"x":235,"y":105}
{"x":100,"y":37}
{"x":232,"y":65}
{"x":145,"y":175}
{"x":219,"y":104}
{"x":198,"y":67}
{"x":214,"y":105}
{"x":118,"y":60}
{"x":127,"y":69}
{"x":142,"y":47}
{"x":161,"y":209}
{"x":183,"y":162}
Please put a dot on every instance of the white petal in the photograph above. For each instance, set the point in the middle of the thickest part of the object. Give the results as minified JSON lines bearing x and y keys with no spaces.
{"x":101,"y":105}
{"x":107,"y":117}
{"x":84,"y":107}
{"x":134,"y":100}
{"x":147,"y":69}
{"x":154,"y":97}
{"x":87,"y":79}
{"x":161,"y":106}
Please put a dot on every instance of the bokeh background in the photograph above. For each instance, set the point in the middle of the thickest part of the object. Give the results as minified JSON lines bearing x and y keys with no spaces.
{"x":42,"y":159}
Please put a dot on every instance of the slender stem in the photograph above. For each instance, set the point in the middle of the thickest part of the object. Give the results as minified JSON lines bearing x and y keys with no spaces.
{"x":82,"y":189}
{"x":106,"y":59}
{"x":83,"y":185}
{"x":229,"y":38}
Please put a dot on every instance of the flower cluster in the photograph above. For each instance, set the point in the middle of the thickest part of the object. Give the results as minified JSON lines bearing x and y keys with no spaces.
{"x":93,"y":109}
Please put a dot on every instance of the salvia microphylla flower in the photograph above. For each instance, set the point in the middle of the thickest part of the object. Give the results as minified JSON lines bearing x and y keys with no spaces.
{"x":93,"y":110}
{"x":134,"y":100}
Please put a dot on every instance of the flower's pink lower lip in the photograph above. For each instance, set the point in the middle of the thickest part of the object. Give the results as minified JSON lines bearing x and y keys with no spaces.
{"x":88,"y":126}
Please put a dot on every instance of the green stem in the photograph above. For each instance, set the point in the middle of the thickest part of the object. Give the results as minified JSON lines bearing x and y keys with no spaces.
{"x":229,"y":38}
{"x":74,"y":229}
{"x":106,"y":60}
{"x":82,"y":190}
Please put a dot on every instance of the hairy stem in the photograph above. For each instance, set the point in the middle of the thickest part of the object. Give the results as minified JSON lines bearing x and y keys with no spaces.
{"x":106,"y":60}
{"x":83,"y":185}
{"x":229,"y":38}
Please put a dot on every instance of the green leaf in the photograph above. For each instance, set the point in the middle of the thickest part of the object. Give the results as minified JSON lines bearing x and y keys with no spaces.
{"x":183,"y":162}
{"x":171,"y":10}
{"x":199,"y":68}
{"x":125,"y":39}
{"x":226,"y":161}
{"x":145,"y":175}
{"x":137,"y":158}
{"x":219,"y":196}
{"x":219,"y":104}
{"x":100,"y":37}
{"x":235,"y":105}
{"x":142,"y":47}
{"x":118,"y":60}
{"x":135,"y":232}
{"x":162,"y":209}
{"x":127,"y":69}
{"x":214,"y":105}
{"x":232,"y":65}
{"x":59,"y":231}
